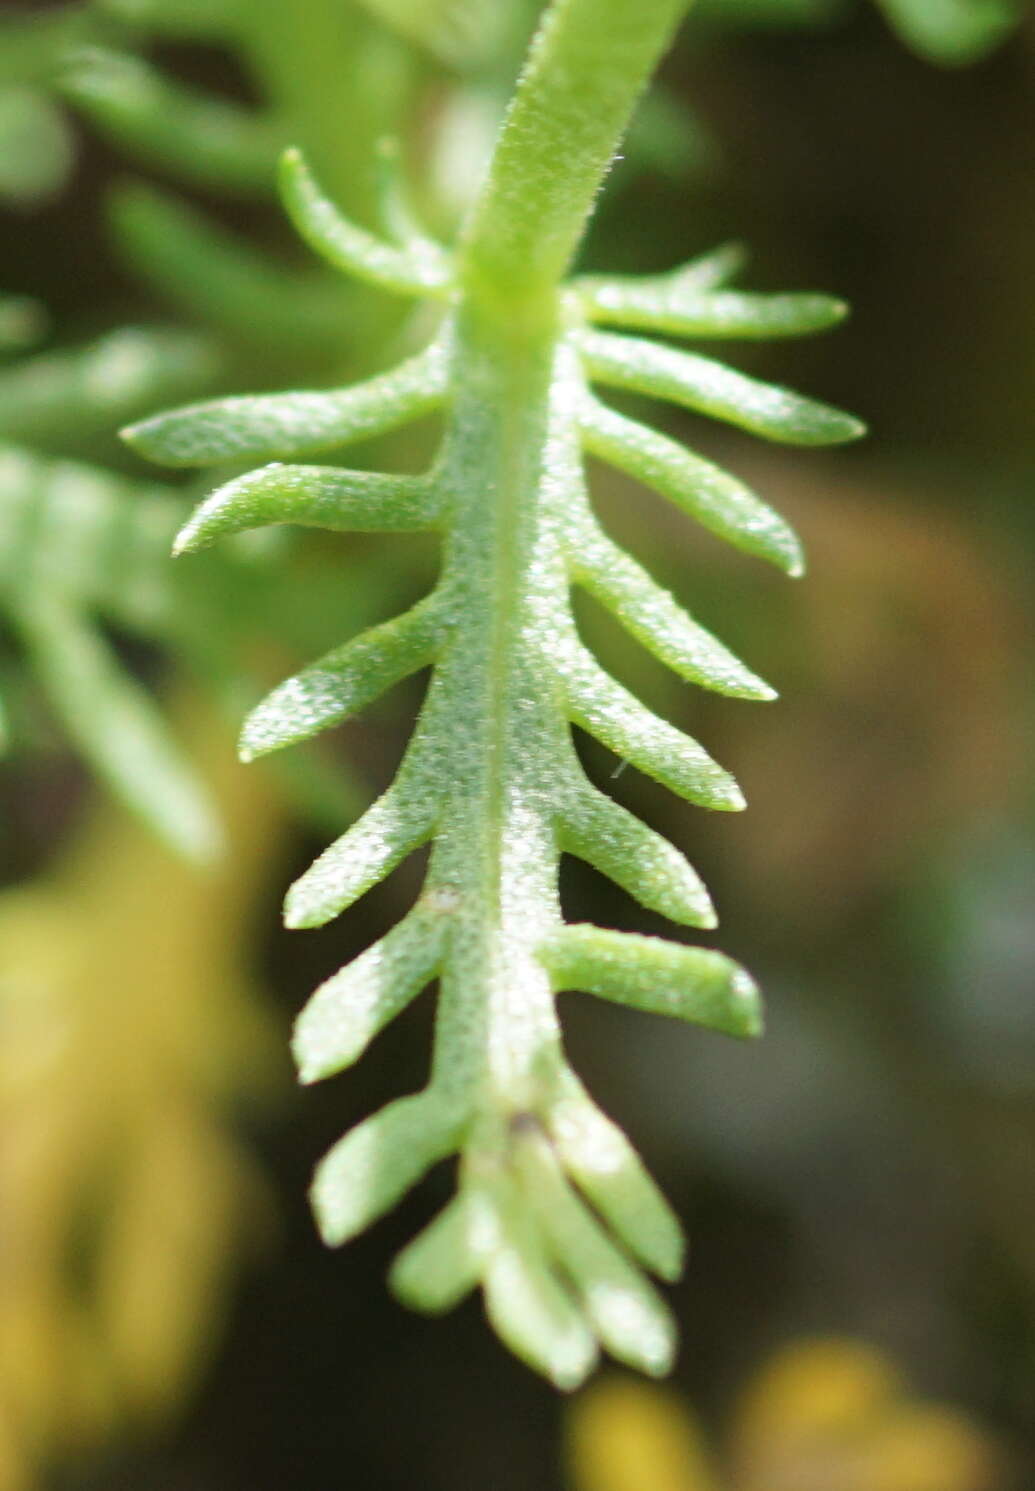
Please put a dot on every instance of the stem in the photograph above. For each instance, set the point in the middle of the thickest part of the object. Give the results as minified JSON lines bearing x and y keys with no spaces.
{"x":588,"y":65}
{"x":496,"y":854}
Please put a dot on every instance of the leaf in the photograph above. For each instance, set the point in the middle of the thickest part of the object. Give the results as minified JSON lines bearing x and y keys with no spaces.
{"x":491,"y":776}
{"x":531,"y":1310}
{"x":268,"y":426}
{"x":218,"y":278}
{"x":36,"y":147}
{"x":201,"y":139}
{"x":377,"y":1162}
{"x":714,"y":498}
{"x":618,"y":720}
{"x":663,"y":978}
{"x":348,"y":1009}
{"x":629,"y":1318}
{"x":607,"y":1169}
{"x":345,"y":681}
{"x":676,"y":310}
{"x":116,"y":726}
{"x":444,"y":1262}
{"x":76,"y":531}
{"x":418,"y":269}
{"x":619,"y":845}
{"x":711,"y":388}
{"x":656,"y":619}
{"x":696,"y":277}
{"x":316,"y":497}
{"x":57,"y":397}
{"x":401,"y":820}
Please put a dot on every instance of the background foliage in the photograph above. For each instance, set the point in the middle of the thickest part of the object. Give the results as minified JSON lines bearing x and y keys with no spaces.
{"x":867,"y":1169}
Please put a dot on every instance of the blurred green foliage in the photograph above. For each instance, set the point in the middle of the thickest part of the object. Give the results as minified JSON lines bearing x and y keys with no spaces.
{"x":873,"y":1173}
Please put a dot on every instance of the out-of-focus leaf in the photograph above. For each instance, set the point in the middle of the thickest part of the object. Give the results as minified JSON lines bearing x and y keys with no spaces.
{"x":56,"y":398}
{"x":666,"y":136}
{"x":952,"y":32}
{"x":82,"y":533}
{"x":36,"y":150}
{"x":203,"y":139}
{"x":117,"y":726}
{"x":457,"y":32}
{"x":220,"y":279}
{"x":189,"y":19}
{"x":32,"y":41}
{"x":22,"y":322}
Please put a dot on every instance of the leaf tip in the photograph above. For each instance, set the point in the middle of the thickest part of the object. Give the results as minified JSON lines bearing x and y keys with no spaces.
{"x":307,"y":1064}
{"x":733,"y":799}
{"x":748,"y":1002}
{"x":297,"y":916}
{"x":187,"y":540}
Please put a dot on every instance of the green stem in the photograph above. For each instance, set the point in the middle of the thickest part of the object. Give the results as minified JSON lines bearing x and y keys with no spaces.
{"x":496,"y":853}
{"x":495,"y":858}
{"x":588,"y":65}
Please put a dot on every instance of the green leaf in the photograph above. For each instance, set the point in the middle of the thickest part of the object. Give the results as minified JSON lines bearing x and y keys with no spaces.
{"x":36,"y":147}
{"x":345,"y":680}
{"x":79,"y":532}
{"x":491,"y":776}
{"x":348,"y":1009}
{"x":711,"y":388}
{"x":366,"y":1172}
{"x":697,"y":277}
{"x":419,"y":269}
{"x":656,"y":619}
{"x":218,"y":278}
{"x":618,"y":720}
{"x":264,"y":427}
{"x":626,"y":1313}
{"x":715,"y":499}
{"x":444,"y":1263}
{"x":663,"y":978}
{"x":678,"y":311}
{"x":400,"y":821}
{"x":610,"y":1173}
{"x":58,"y":397}
{"x":530,"y":1308}
{"x":619,"y":845}
{"x":316,"y":497}
{"x":116,"y":726}
{"x":201,"y":139}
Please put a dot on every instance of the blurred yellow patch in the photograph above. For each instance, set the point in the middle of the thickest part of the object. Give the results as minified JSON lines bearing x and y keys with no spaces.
{"x":129,"y":1031}
{"x":821,"y":1416}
